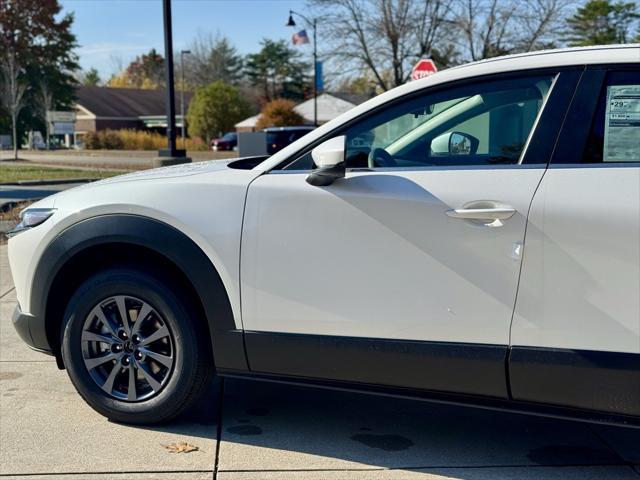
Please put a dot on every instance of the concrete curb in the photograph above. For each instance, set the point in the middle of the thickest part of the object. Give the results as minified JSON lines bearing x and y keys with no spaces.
{"x":32,"y":183}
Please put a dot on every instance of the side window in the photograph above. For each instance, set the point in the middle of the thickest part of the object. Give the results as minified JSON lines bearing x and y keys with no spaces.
{"x":615,"y":131}
{"x":480,"y":124}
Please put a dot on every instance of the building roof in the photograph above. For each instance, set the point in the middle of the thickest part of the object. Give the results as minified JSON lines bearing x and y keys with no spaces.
{"x":329,"y":107}
{"x":248,"y":122}
{"x":125,"y":102}
{"x":355,"y":98}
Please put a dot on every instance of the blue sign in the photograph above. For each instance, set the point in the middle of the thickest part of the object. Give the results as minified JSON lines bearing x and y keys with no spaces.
{"x":319,"y":80}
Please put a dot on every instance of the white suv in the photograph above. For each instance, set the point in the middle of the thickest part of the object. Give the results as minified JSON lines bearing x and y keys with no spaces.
{"x":472,"y":237}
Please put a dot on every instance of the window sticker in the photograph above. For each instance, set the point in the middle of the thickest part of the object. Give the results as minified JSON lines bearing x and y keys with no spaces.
{"x":622,"y":124}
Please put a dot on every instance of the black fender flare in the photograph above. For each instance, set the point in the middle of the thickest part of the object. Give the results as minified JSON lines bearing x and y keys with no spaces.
{"x":226,"y":340}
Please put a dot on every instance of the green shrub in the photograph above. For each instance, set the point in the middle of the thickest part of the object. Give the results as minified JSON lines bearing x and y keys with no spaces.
{"x":215,"y":109}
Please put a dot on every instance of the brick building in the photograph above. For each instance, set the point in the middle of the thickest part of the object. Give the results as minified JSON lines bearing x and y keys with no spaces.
{"x":101,"y":108}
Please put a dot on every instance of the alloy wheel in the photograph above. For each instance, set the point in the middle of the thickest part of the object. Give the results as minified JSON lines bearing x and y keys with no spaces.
{"x":128,"y":348}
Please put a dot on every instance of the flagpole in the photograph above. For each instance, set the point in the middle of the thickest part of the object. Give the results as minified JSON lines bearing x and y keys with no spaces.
{"x":292,"y":23}
{"x":315,"y":76}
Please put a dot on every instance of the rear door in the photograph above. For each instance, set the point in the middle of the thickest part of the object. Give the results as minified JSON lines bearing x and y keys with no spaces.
{"x":576,"y":328}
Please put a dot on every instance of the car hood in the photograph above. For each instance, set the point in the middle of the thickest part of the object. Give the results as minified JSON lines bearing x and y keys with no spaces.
{"x":173,"y":171}
{"x":118,"y":188}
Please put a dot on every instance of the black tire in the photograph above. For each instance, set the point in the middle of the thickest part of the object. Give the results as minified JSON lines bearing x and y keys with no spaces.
{"x":192,"y":365}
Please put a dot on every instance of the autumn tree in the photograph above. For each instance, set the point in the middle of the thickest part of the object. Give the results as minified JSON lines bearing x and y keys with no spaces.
{"x":36,"y":43}
{"x":277,"y":71}
{"x":215,"y":109}
{"x":145,"y":71}
{"x":602,"y":22}
{"x":279,"y":113}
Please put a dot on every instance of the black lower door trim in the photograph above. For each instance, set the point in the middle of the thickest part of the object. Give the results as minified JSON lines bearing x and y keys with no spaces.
{"x":474,"y":369}
{"x":594,"y":380}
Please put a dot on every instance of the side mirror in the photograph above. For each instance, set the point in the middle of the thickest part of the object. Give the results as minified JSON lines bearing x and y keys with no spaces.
{"x":329,"y":157}
{"x":454,"y":143}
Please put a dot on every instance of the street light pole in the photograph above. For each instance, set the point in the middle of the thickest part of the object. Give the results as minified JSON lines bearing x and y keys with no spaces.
{"x":182,"y":54}
{"x":313,"y":23}
{"x":171,"y":155}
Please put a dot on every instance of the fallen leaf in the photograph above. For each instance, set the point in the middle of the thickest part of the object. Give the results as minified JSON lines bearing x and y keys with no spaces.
{"x":181,"y":447}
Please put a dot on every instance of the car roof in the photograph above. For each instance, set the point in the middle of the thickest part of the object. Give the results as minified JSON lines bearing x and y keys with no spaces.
{"x":565,"y":57}
{"x":598,"y":54}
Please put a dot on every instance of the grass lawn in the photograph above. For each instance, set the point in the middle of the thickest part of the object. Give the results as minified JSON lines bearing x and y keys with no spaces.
{"x":19,"y":172}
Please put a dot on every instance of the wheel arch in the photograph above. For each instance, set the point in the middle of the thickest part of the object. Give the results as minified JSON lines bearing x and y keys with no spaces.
{"x":124,"y":239}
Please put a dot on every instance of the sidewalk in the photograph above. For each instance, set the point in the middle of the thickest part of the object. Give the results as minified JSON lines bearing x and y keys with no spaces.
{"x":257,"y":431}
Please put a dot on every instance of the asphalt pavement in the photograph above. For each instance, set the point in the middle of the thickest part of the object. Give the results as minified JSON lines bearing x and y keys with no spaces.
{"x":245,"y":430}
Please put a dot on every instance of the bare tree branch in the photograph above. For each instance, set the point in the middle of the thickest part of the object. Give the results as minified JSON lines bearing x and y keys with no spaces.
{"x":12,"y":93}
{"x":386,"y":37}
{"x":45,"y":102}
{"x":500,"y":27}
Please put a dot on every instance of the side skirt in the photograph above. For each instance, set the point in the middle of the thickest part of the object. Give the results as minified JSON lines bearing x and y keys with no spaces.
{"x":594,"y":380}
{"x":465,"y":368}
{"x":591,"y":386}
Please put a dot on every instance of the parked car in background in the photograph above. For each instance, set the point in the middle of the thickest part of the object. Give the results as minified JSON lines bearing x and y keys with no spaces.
{"x":280,"y":137}
{"x":383,"y":252}
{"x":229,"y":141}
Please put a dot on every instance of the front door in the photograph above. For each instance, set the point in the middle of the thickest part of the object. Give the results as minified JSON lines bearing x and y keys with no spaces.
{"x":405,"y":272}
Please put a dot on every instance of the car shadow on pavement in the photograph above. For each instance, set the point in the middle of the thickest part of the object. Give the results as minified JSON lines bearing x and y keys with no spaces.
{"x":352,"y":430}
{"x":199,"y":421}
{"x":302,"y":427}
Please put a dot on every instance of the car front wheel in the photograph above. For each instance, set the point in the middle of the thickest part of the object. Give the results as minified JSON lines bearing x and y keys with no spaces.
{"x":132,"y":349}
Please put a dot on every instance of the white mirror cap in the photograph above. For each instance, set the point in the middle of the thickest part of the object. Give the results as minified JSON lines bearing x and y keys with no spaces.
{"x":440,"y":144}
{"x":329,"y":153}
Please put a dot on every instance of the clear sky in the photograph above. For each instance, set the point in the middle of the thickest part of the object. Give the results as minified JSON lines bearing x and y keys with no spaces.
{"x":108,"y":29}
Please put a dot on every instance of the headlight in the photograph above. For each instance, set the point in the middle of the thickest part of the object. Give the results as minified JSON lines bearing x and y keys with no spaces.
{"x":31,"y":217}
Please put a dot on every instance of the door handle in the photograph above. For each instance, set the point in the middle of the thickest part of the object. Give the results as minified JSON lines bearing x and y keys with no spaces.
{"x":493,"y":213}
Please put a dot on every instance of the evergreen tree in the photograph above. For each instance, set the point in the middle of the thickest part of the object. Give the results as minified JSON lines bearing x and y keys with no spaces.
{"x":277,"y":71}
{"x":91,"y":78}
{"x":602,"y":22}
{"x":211,"y":59}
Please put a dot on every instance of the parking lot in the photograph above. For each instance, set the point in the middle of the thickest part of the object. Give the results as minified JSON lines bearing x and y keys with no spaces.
{"x":264,"y":431}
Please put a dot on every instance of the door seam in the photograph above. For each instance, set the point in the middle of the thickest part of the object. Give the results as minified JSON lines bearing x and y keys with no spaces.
{"x":524,"y":237}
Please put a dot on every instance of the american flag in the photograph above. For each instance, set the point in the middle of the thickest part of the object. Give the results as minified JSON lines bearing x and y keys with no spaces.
{"x":300,"y":38}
